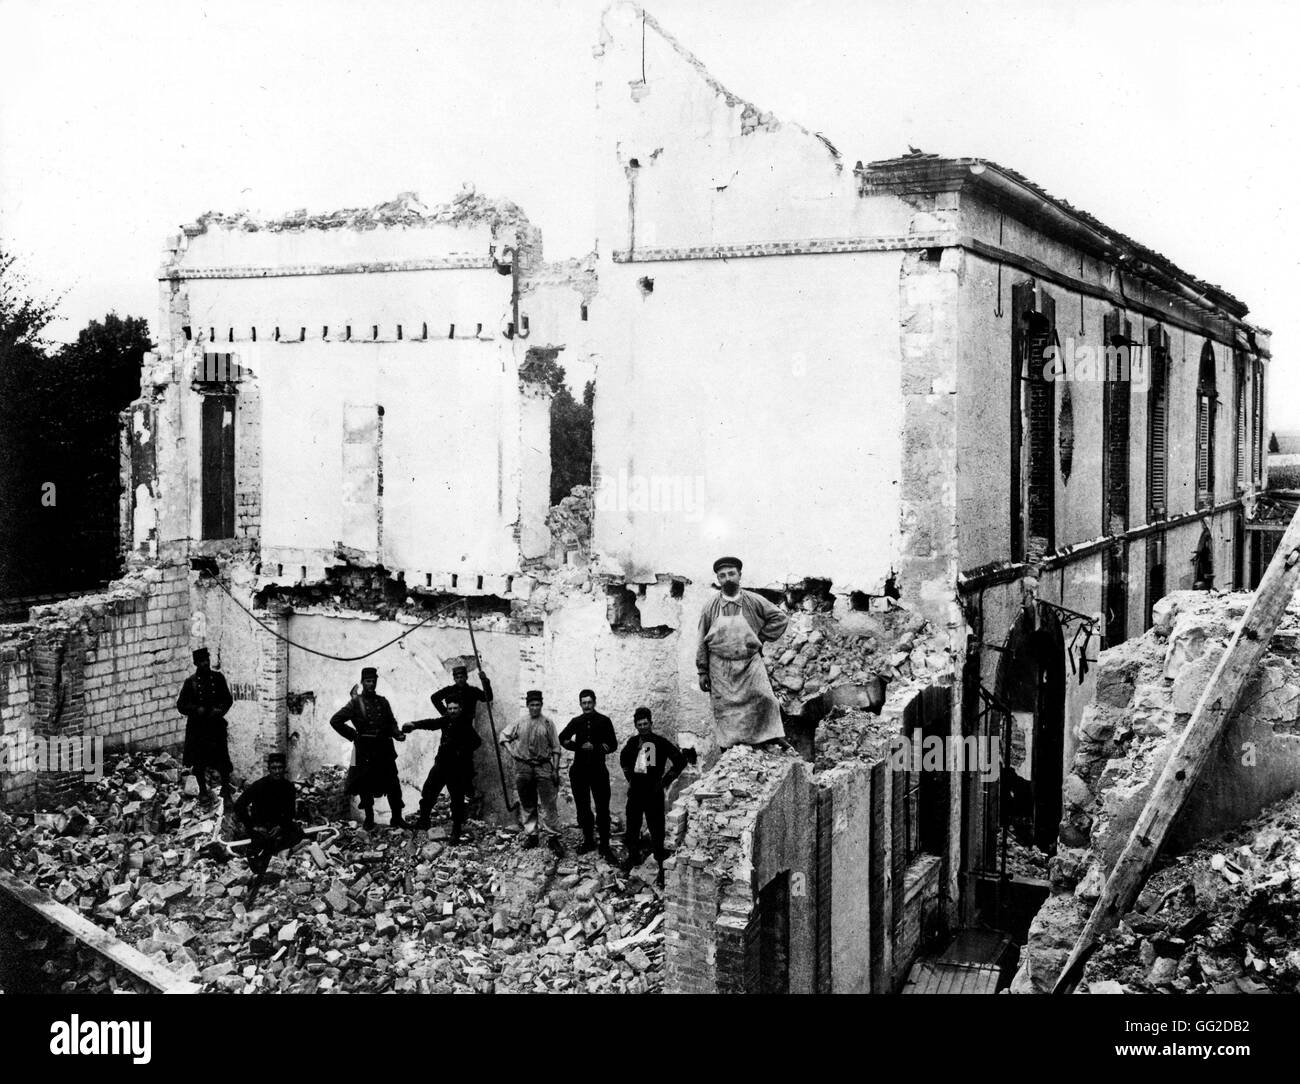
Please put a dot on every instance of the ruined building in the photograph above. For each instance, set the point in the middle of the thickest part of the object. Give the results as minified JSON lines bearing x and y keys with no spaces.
{"x":965,"y":431}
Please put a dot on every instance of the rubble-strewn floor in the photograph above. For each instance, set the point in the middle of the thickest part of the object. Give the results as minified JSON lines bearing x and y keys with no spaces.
{"x":381,"y":911}
{"x":1224,"y":918}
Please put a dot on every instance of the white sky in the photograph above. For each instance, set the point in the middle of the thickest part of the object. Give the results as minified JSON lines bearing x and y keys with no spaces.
{"x":1174,"y":121}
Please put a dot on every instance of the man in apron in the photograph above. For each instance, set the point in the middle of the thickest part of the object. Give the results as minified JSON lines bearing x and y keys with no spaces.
{"x":733,"y":628}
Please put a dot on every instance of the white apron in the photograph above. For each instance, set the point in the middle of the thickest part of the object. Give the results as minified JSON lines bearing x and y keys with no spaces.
{"x":745,"y":708}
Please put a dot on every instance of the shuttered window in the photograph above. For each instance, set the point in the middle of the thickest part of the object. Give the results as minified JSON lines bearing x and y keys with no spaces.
{"x":1033,"y":427}
{"x":1115,"y":415}
{"x":1158,"y":423}
{"x":1240,"y":452}
{"x":1205,"y":397}
{"x":1257,"y":421}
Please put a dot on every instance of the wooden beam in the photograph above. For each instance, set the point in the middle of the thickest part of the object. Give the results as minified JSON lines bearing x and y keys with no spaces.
{"x":95,"y":938}
{"x":1195,"y":745}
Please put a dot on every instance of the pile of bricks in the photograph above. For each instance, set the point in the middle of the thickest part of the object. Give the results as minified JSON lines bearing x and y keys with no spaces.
{"x":384,"y":911}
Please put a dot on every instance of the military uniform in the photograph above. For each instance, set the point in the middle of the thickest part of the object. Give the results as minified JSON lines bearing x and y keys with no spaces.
{"x":204,"y":700}
{"x":372,"y":733}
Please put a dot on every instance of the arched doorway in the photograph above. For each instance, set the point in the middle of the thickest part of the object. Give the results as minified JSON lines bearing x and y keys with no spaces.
{"x":1031,"y":684}
{"x":1203,"y":562}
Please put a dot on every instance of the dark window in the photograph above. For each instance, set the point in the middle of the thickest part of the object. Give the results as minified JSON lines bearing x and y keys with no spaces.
{"x":218,"y":466}
{"x":1158,"y":424}
{"x":1115,"y":414}
{"x":1033,"y":409}
{"x":1203,"y":563}
{"x":1155,"y":574}
{"x":1115,"y":592}
{"x":1205,"y":400}
{"x":774,"y":935}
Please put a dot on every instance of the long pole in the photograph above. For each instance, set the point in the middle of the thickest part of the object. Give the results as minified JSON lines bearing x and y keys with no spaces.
{"x":1200,"y":738}
{"x":478,"y":664}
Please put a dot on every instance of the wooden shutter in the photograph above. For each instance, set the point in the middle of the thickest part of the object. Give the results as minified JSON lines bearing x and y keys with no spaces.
{"x":1022,"y":304}
{"x":1116,"y":412}
{"x":1041,"y":445}
{"x":1257,"y":421}
{"x":1240,"y":452}
{"x":1158,"y":428}
{"x":1206,"y":391}
{"x":1202,"y":450}
{"x":218,"y":466}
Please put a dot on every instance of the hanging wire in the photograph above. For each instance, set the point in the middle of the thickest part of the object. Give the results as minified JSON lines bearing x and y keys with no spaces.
{"x":326,"y":654}
{"x":1081,"y":331}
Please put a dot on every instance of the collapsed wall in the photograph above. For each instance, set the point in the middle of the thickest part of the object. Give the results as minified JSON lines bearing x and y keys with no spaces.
{"x":1147,"y":689}
{"x":825,"y":877}
{"x":99,"y":672}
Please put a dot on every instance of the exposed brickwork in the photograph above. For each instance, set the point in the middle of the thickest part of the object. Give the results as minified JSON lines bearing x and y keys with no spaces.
{"x":755,"y":901}
{"x":103,"y":666}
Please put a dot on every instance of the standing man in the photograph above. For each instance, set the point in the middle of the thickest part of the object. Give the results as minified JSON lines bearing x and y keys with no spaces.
{"x":590,"y":737}
{"x":204,"y":700}
{"x":533,"y":743}
{"x":733,"y":628}
{"x":650,"y":763}
{"x":452,"y":766}
{"x":372,"y":734}
{"x":469,"y":697}
{"x":267,"y":809}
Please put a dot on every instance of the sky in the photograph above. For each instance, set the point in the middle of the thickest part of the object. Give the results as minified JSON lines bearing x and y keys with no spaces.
{"x":1174,"y":122}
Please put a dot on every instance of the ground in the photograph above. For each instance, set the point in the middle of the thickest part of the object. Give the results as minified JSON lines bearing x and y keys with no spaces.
{"x":381,"y":911}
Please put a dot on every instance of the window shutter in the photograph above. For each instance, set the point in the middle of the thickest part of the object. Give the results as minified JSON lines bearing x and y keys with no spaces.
{"x":1202,"y":450}
{"x":1157,"y":443}
{"x":1022,"y":304}
{"x":1257,"y":421}
{"x":1042,"y":442}
{"x":1240,"y":452}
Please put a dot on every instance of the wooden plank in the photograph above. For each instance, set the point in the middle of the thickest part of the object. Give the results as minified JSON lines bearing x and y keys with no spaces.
{"x":1195,"y":745}
{"x":93,"y":937}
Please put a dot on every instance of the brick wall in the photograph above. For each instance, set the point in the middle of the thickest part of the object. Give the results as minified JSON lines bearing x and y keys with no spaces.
{"x":102,"y":666}
{"x":16,"y":691}
{"x":788,"y":879}
{"x":248,"y":461}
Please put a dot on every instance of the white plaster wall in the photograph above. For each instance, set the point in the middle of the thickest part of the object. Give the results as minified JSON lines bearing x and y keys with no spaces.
{"x":768,"y":392}
{"x":451,"y":470}
{"x":408,"y":673}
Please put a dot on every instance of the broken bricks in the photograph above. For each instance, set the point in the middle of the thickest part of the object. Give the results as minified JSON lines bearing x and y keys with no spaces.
{"x":387,"y":913}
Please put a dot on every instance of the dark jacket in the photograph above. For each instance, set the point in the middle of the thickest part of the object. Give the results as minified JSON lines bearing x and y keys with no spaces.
{"x":372,"y":732}
{"x":268,"y":803}
{"x":459,"y":737}
{"x":665,"y":753}
{"x":594,"y":728}
{"x":204,"y":700}
{"x":468,"y":695}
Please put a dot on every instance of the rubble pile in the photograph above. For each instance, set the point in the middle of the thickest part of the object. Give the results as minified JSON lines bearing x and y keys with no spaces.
{"x":1223,"y":918}
{"x":819,"y":651}
{"x":726,"y":801}
{"x":570,"y":525}
{"x":346,"y":910}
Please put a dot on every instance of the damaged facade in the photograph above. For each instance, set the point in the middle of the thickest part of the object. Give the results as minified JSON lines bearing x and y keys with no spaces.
{"x":844,"y":374}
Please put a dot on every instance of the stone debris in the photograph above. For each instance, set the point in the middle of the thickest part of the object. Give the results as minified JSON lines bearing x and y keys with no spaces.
{"x":1222,"y":919}
{"x":819,"y":652}
{"x":396,"y":911}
